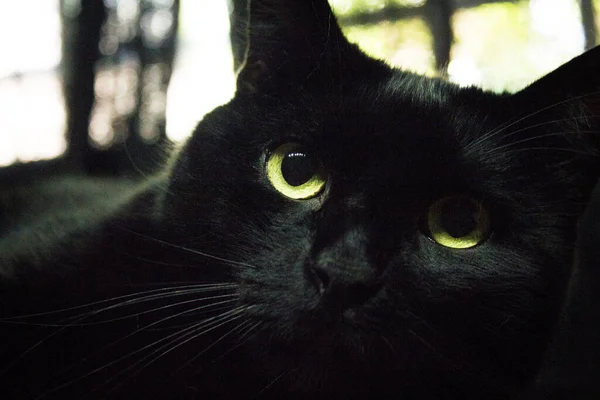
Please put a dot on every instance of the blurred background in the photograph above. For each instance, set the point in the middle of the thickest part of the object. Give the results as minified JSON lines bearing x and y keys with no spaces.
{"x":100,"y":83}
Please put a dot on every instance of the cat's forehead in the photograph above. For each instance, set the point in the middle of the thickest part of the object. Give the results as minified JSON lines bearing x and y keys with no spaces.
{"x":396,"y":122}
{"x":386,"y":106}
{"x":429,"y":96}
{"x":419,"y":90}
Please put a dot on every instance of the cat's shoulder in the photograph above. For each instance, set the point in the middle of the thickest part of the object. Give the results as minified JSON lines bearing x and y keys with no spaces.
{"x":54,"y":217}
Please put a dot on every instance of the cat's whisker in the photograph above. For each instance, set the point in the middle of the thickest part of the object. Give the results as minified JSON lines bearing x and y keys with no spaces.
{"x":196,"y":288}
{"x":498,"y":149}
{"x":164,"y":263}
{"x":546,"y":108}
{"x":388,"y":343}
{"x":504,"y":126}
{"x":243,"y":339}
{"x":423,"y":341}
{"x":552,"y":122}
{"x":561,"y":149}
{"x":177,"y":284}
{"x":144,"y":300}
{"x":270,"y":384}
{"x":239,"y":327}
{"x":226,"y":306}
{"x":440,"y":354}
{"x":134,"y":315}
{"x":172,"y":345}
{"x":469,"y":147}
{"x":150,"y":179}
{"x":63,"y":327}
{"x":172,"y":316}
{"x":460,"y":367}
{"x":81,"y":317}
{"x":192,"y":251}
{"x":199,"y":325}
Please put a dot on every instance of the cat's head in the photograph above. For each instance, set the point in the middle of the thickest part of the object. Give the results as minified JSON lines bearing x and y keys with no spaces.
{"x":394,"y":233}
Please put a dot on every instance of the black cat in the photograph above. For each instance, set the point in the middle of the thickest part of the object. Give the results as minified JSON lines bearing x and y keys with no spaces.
{"x":339,"y":229}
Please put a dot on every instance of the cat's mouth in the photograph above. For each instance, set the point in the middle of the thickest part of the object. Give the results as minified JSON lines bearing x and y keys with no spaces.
{"x":329,"y":314}
{"x":327,"y":324}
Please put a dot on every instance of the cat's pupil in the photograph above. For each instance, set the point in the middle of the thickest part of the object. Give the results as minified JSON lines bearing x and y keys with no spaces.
{"x":459,"y":217}
{"x":298,"y":167}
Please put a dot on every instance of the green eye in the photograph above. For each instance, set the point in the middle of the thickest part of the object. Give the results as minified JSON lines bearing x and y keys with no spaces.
{"x":295,"y":172}
{"x":458,"y":222}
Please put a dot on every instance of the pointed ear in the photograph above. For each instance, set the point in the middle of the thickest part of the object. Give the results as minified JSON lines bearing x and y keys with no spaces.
{"x":570,"y":91}
{"x":285,"y":42}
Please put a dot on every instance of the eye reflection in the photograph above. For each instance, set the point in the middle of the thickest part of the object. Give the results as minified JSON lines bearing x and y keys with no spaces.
{"x":295,"y":172}
{"x":458,"y":222}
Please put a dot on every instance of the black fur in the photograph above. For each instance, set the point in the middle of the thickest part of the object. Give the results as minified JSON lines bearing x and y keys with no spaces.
{"x":201,"y":282}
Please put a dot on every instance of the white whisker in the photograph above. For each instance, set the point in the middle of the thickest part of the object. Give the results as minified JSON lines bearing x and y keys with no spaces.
{"x":530,"y":139}
{"x":268,"y":386}
{"x":183,"y":289}
{"x":240,"y":326}
{"x":243,"y":339}
{"x":172,"y":345}
{"x":192,"y":251}
{"x":84,"y":316}
{"x":504,"y":126}
{"x":199,"y":325}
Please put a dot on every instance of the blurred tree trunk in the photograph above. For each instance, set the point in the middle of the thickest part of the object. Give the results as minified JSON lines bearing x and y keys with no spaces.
{"x":133,"y":49}
{"x":588,"y":18}
{"x":81,"y":25}
{"x":439,"y":17}
{"x":238,"y":19}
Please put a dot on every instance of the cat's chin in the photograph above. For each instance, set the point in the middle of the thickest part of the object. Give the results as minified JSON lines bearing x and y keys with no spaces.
{"x":331,"y":358}
{"x":316,"y":338}
{"x":312,"y":362}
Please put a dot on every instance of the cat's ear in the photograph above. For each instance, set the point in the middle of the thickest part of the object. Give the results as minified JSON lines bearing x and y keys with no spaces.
{"x":284,"y":42}
{"x":571,"y":91}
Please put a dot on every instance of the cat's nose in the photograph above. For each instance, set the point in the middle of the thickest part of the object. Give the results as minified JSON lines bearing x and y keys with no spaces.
{"x":339,"y":293}
{"x":342,"y":269}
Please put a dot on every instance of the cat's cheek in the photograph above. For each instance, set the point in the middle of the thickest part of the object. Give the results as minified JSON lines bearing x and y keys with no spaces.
{"x":277,"y":287}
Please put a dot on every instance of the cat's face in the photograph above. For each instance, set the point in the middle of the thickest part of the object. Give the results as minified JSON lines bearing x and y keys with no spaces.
{"x":391,"y":230}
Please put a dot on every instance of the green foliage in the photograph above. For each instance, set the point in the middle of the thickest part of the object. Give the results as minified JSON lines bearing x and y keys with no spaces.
{"x":406,"y":43}
{"x":354,"y":7}
{"x":597,"y":9}
{"x":508,"y":45}
{"x":491,"y":43}
{"x":499,"y":46}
